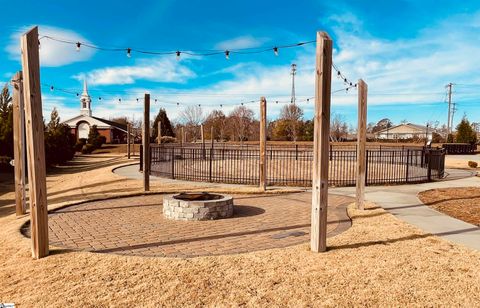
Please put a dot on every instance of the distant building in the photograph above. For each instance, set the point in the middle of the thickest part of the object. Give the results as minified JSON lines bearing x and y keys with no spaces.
{"x":404,"y":131}
{"x":80,"y":125}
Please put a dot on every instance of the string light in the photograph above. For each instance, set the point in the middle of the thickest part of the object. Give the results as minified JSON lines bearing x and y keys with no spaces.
{"x":275,"y":51}
{"x":78,"y":46}
{"x":178,"y":52}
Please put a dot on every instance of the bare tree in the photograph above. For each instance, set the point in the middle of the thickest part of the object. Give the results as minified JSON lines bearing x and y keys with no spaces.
{"x":338,"y":128}
{"x":218,"y":121}
{"x":241,"y":121}
{"x":191,"y":117}
{"x":292,"y":115}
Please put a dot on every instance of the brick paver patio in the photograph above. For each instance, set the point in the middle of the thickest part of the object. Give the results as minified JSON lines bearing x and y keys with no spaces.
{"x":136,"y":226}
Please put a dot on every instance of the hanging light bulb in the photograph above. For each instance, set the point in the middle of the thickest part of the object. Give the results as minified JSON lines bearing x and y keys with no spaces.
{"x":308,"y":100}
{"x":99,"y":98}
{"x":78,"y":46}
{"x":199,"y":105}
{"x":51,"y":88}
{"x":221,"y":106}
{"x":345,"y":80}
{"x":78,"y":94}
{"x":129,"y":52}
{"x":137,"y":100}
{"x":155,"y":100}
{"x":275,"y":51}
{"x":119,"y":100}
{"x":227,"y":54}
{"x":178,"y":55}
{"x":178,"y":104}
{"x":351,"y":84}
{"x":276,"y":102}
{"x":241,"y":104}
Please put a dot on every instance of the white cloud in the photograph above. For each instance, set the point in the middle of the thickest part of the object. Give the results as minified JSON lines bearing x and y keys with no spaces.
{"x":246,"y":41}
{"x":52,"y":53}
{"x":163,"y":69}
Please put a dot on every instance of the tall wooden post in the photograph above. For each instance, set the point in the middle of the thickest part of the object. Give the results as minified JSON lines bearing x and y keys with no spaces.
{"x":361,"y":143}
{"x":263,"y":143}
{"x":129,"y":132}
{"x":19,"y":144}
{"x":35,"y":143}
{"x":159,"y":129}
{"x":146,"y":143}
{"x":318,"y":241}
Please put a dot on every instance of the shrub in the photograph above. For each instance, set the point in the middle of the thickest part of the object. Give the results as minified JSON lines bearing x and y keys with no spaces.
{"x":88,"y":148}
{"x":95,"y":139}
{"x":79,"y":145}
{"x":59,"y":142}
{"x":472,"y":164}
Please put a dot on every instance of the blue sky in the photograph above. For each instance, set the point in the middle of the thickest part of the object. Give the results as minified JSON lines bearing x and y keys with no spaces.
{"x":407,"y":51}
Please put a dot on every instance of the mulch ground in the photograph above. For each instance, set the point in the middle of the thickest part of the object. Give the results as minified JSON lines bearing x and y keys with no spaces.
{"x":461,"y":203}
{"x":379,"y":262}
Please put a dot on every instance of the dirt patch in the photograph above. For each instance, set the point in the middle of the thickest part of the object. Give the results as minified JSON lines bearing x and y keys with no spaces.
{"x":461,"y":203}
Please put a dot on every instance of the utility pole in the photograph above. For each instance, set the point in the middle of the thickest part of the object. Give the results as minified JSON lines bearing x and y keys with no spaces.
{"x":454,"y":109}
{"x":293,"y":73}
{"x":449,"y":86}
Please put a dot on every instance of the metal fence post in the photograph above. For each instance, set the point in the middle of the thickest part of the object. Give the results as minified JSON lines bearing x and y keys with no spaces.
{"x":408,"y":164}
{"x":141,"y":158}
{"x":210,"y":170}
{"x":173,"y":162}
{"x":429,"y":169}
{"x":366,"y":167}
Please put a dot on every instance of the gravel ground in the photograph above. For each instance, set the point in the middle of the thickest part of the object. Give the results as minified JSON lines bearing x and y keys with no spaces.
{"x":379,"y":261}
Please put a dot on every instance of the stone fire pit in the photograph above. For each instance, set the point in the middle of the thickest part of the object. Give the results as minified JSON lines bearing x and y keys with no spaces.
{"x":197,"y":206}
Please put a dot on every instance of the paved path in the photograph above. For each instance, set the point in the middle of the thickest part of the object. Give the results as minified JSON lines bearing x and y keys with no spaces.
{"x":402,"y":202}
{"x":136,"y":226}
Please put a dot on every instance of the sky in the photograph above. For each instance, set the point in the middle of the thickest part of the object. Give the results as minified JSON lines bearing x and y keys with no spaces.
{"x":405,"y":50}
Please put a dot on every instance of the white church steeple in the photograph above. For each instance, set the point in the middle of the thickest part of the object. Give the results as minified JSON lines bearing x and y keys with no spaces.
{"x":85,"y":101}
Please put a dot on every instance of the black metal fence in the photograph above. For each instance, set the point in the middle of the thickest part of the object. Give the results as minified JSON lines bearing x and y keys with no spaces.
{"x":292,"y":166}
{"x":459,"y":148}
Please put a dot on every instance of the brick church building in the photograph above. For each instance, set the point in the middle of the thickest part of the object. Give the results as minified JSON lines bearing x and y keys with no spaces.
{"x":80,"y":125}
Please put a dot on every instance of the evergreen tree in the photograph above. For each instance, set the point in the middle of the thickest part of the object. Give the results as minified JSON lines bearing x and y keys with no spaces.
{"x":465,"y":132}
{"x":167,"y":129}
{"x":59,"y":141}
{"x":6,"y":123}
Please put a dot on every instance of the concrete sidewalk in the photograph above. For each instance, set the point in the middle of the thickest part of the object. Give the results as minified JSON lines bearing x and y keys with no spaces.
{"x":402,"y":201}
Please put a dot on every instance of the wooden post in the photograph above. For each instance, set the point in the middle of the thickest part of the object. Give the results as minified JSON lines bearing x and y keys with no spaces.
{"x":361,"y":143}
{"x":212,"y":140}
{"x":35,"y":143}
{"x":263,"y":143}
{"x":159,"y":141}
{"x":19,"y":144}
{"x":129,"y":132}
{"x":318,"y":241}
{"x":146,"y":143}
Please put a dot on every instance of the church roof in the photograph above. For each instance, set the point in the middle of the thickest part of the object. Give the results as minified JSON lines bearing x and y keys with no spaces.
{"x":99,"y":122}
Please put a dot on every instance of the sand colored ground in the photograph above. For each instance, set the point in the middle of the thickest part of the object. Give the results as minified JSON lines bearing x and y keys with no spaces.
{"x":379,"y":261}
{"x":461,"y":203}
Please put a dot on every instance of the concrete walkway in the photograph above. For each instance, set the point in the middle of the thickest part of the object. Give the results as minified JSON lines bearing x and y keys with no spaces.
{"x":402,"y":201}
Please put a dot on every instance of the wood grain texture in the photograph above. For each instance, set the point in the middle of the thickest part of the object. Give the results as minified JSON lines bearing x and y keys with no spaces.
{"x":19,"y":144}
{"x":263,"y":144}
{"x":318,"y":241}
{"x":35,"y":143}
{"x":361,"y":144}
{"x":146,"y":143}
